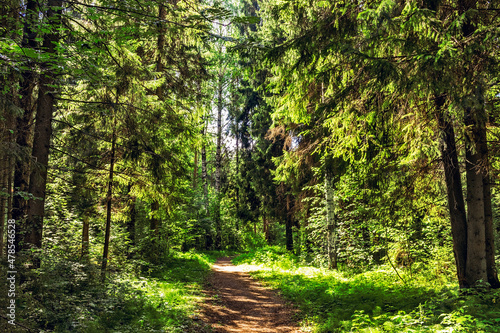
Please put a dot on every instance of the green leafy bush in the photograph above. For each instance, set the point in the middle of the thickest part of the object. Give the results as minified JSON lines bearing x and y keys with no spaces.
{"x":68,"y":296}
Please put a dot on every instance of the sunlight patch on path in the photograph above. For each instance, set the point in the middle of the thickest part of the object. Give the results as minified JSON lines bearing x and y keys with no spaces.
{"x":238,"y":303}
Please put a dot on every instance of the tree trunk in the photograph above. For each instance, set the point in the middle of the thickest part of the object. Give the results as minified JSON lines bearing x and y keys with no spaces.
{"x":132,"y":220}
{"x":162,"y":13}
{"x":265,"y":222}
{"x":109,"y":196}
{"x":330,"y":222}
{"x":456,"y":204}
{"x":10,"y":199}
{"x":237,"y":155}
{"x":482,"y":169}
{"x":480,"y":238}
{"x":237,"y":177}
{"x":38,"y":176}
{"x":24,"y":127}
{"x":289,"y":224}
{"x":9,"y":18}
{"x":195,"y":170}
{"x":204,"y":177}
{"x":10,"y":121}
{"x":491,"y":270}
{"x":85,"y":236}
{"x":42,"y":136}
{"x":154,"y":222}
{"x":476,"y":239}
{"x":4,"y":173}
{"x":218,"y":167}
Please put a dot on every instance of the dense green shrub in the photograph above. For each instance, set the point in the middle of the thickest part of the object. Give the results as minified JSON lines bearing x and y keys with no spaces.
{"x":68,"y":296}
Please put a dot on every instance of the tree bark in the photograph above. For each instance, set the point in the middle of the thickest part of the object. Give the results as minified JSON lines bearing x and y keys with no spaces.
{"x":154,"y":221}
{"x":204,"y":178}
{"x":491,"y":270}
{"x":481,"y":236}
{"x":162,"y":13}
{"x":42,"y":135}
{"x":475,"y":269}
{"x":289,"y":224}
{"x":218,"y":166}
{"x":476,"y":237}
{"x":265,"y":223}
{"x":237,"y":155}
{"x":109,"y":196}
{"x":237,"y":177}
{"x":85,"y":236}
{"x":10,"y":119}
{"x":4,"y":173}
{"x":8,"y":20}
{"x":10,"y":199}
{"x":330,"y":222}
{"x":132,"y":217}
{"x":24,"y":127}
{"x":481,"y":142}
{"x":195,"y":170}
{"x":456,"y":204}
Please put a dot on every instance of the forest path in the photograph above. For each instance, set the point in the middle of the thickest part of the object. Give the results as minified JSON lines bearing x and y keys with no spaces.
{"x":238,"y":303}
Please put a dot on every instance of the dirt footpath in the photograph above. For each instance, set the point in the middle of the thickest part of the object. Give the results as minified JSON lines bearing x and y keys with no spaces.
{"x":238,"y":303}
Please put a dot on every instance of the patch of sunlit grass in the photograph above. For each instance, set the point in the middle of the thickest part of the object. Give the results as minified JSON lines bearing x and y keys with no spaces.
{"x":381,"y":299}
{"x":163,"y":299}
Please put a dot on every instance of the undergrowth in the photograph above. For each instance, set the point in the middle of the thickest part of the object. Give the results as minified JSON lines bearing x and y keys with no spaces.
{"x":377,"y":300}
{"x":67,"y":296}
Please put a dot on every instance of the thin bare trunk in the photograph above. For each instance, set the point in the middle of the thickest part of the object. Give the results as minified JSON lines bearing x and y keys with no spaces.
{"x":10,"y":190}
{"x":195,"y":170}
{"x":109,"y":196}
{"x":4,"y":173}
{"x":288,"y":225}
{"x":265,"y":222}
{"x":218,"y":167}
{"x":237,"y":175}
{"x":85,"y":236}
{"x":162,"y":13}
{"x":154,"y":221}
{"x":330,"y":222}
{"x":204,"y":176}
{"x":131,"y":221}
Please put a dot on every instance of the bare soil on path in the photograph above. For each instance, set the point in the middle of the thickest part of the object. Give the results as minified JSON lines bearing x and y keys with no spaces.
{"x":238,"y":303}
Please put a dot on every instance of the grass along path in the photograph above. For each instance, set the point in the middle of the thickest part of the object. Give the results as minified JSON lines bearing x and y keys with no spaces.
{"x":165,"y":298}
{"x":376,"y":300}
{"x":238,"y":303}
{"x":68,"y":296}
